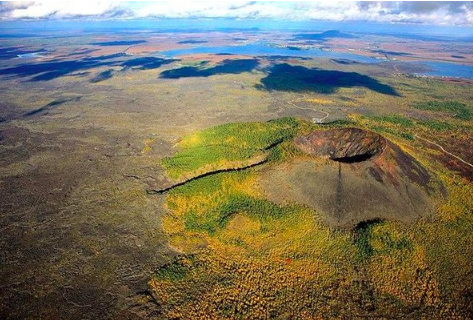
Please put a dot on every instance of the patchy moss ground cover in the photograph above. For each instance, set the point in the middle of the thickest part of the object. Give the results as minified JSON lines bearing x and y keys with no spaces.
{"x":227,"y":143}
{"x":454,"y":108}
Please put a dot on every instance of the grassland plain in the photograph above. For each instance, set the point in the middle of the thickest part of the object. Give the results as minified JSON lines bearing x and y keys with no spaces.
{"x":243,"y":256}
{"x":80,"y":237}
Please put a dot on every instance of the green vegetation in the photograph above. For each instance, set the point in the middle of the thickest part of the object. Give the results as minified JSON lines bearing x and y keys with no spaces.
{"x":175,"y":270}
{"x":438,"y":125}
{"x":339,"y":124}
{"x":236,"y":203}
{"x":400,"y":134}
{"x":205,"y":185}
{"x":396,"y":125}
{"x":395,"y":119}
{"x":283,"y":151}
{"x":227,"y":143}
{"x":363,"y":234}
{"x":227,"y":200}
{"x":455,"y":109}
{"x":405,"y":128}
{"x":375,"y":238}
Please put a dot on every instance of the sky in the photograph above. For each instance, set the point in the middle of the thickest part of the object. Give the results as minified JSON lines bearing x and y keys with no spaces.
{"x":457,"y":13}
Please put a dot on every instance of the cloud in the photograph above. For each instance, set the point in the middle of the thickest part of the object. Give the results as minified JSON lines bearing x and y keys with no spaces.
{"x":60,"y":10}
{"x":437,"y":13}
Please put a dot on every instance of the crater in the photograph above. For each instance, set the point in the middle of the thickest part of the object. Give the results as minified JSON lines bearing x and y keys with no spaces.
{"x":370,"y":178}
{"x":345,"y":145}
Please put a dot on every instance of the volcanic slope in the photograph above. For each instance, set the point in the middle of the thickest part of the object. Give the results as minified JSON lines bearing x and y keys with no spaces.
{"x":368,"y":178}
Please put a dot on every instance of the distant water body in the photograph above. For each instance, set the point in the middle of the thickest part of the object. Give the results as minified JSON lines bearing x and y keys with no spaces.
{"x":439,"y":69}
{"x":445,"y":69}
{"x":267,"y":50}
{"x":30,"y":55}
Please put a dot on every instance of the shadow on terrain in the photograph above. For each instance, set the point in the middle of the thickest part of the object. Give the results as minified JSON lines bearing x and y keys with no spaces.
{"x":45,"y":71}
{"x":101,"y":76}
{"x":13,"y":52}
{"x":284,"y":77}
{"x":49,"y":70}
{"x":119,"y":43}
{"x":146,"y":63}
{"x":192,"y":41}
{"x":345,"y":61}
{"x":50,"y":106}
{"x":18,"y":35}
{"x":393,"y":53}
{"x":225,"y":67}
{"x":81,"y":52}
{"x":362,"y":233}
{"x":79,"y":74}
{"x":78,"y":54}
{"x":294,"y":48}
{"x":277,"y":57}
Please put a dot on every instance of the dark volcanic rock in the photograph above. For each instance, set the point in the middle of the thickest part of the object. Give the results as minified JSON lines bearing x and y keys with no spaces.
{"x":346,"y":145}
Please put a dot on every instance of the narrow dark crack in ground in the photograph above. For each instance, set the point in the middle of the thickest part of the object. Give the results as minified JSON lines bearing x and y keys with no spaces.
{"x":210,"y":173}
{"x":339,"y":195}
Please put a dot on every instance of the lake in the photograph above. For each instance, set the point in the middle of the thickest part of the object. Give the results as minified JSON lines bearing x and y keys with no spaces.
{"x":446,"y":69}
{"x":267,"y":50}
{"x":440,"y":69}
